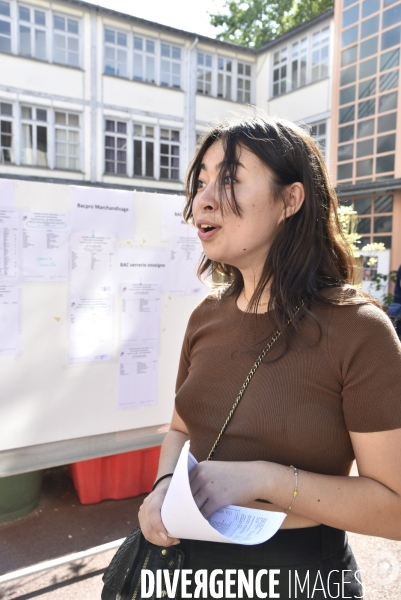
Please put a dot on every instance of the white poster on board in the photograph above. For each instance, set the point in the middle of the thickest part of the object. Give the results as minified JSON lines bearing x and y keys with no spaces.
{"x":9,"y":320}
{"x":91,"y":264}
{"x":142,"y":265}
{"x":101,"y":211}
{"x":45,"y":246}
{"x":91,"y":329}
{"x":7,"y":196}
{"x":137,"y":384}
{"x":140,"y":313}
{"x":173,"y":222}
{"x":9,"y":245}
{"x":373,"y":264}
{"x":185,"y":256}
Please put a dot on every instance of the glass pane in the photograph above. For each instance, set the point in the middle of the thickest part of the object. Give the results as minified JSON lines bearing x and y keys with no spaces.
{"x":175,"y":136}
{"x":348,"y":2}
{"x":364,"y":167}
{"x":363,"y":206}
{"x":138,"y":43}
{"x":369,"y":47}
{"x":138,"y":66}
{"x":390,"y":59}
{"x":349,"y":56}
{"x":370,"y":27}
{"x":349,"y":36}
{"x":383,"y":224}
{"x":385,"y":143}
{"x":6,"y":109}
{"x":347,"y":95}
{"x":40,"y":17}
{"x":387,"y":122}
{"x":59,"y":41}
{"x":24,"y":13}
{"x":61,"y":162}
{"x":391,"y":37}
{"x":388,"y":102}
{"x":165,"y":134}
{"x":350,"y":16}
{"x":366,"y":108}
{"x":121,"y":127}
{"x":369,"y":7}
{"x":367,"y":68}
{"x":391,"y":16}
{"x":344,"y":171}
{"x":110,"y":125}
{"x":150,"y":46}
{"x":137,"y":129}
{"x":41,"y":146}
{"x":73,"y":120}
{"x":149,"y":131}
{"x":109,"y":35}
{"x":72,"y":26}
{"x":25,"y":40}
{"x":121,"y":39}
{"x":384,"y":239}
{"x":385,"y":163}
{"x":149,"y":167}
{"x":26,"y":112}
{"x":345,"y":152}
{"x":5,"y":42}
{"x":40,"y":44}
{"x":363,"y":225}
{"x":59,"y":22}
{"x":72,"y":44}
{"x":165,"y":50}
{"x":364,"y":148}
{"x":164,"y":173}
{"x":164,"y":161}
{"x":61,"y":148}
{"x":367,"y":88}
{"x":348,"y":75}
{"x":150,"y":69}
{"x":137,"y":157}
{"x":5,"y":9}
{"x":366,"y":128}
{"x":389,"y":81}
{"x":347,"y":114}
{"x":345,"y":134}
{"x":61,"y":135}
{"x":383,"y":204}
{"x":27,"y":145}
{"x":41,"y":115}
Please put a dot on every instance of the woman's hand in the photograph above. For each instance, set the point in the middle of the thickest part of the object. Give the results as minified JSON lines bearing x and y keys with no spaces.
{"x":215,"y":484}
{"x":150,"y":518}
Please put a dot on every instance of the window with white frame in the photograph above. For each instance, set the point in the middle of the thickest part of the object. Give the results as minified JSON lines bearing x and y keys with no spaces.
{"x":5,"y":27}
{"x":320,"y":53}
{"x":299,"y":55}
{"x":116,"y":147}
{"x":280,"y":69}
{"x":34,"y":138}
{"x":318,"y":131}
{"x":204,"y":74}
{"x":144,"y":150}
{"x":170,"y":65}
{"x":32,"y":32}
{"x":144,"y":59}
{"x":65,"y":40}
{"x":6,"y":133}
{"x":224,"y":78}
{"x":169,"y":154}
{"x":115,"y":52}
{"x":67,"y":148}
{"x":244,"y":83}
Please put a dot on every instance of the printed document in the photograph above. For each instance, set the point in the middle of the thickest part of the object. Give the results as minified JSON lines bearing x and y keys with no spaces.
{"x":137,"y":385}
{"x":142,"y":265}
{"x":91,"y":329}
{"x":185,"y":256}
{"x":140,"y":313}
{"x":45,"y":246}
{"x":232,"y":524}
{"x":92,"y":264}
{"x":9,"y":320}
{"x":173,"y":221}
{"x":102,"y":212}
{"x":9,"y":245}
{"x":7,"y":193}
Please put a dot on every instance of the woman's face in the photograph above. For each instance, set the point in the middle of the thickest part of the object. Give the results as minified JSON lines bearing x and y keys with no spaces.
{"x":241,"y":241}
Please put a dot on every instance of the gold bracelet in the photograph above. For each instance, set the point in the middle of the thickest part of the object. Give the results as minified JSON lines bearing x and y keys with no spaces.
{"x":295,"y":493}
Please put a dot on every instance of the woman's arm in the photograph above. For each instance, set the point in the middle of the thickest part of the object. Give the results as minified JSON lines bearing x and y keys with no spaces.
{"x":369,"y":504}
{"x":149,"y":513}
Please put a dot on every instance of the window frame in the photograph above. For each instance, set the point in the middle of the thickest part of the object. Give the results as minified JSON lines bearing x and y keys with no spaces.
{"x":33,"y":27}
{"x":116,"y":135}
{"x":225,"y":74}
{"x":8,"y":19}
{"x":7,"y":119}
{"x":116,"y":48}
{"x":247,"y":93}
{"x":145,"y":54}
{"x":67,"y":35}
{"x":170,"y":142}
{"x":144,"y":139}
{"x":203,"y":70}
{"x":68,"y":128}
{"x":172,"y":61}
{"x":35,"y":123}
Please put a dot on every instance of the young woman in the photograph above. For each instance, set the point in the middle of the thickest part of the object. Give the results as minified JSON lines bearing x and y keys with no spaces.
{"x":328,"y":392}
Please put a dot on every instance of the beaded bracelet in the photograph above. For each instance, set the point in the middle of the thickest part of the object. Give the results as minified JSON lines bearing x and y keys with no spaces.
{"x":161,"y":479}
{"x":295,"y":493}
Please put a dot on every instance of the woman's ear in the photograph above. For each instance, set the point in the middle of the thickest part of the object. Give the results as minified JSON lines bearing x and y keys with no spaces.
{"x":294,"y":200}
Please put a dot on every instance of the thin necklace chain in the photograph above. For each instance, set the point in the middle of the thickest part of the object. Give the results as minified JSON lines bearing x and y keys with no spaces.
{"x":260,"y":303}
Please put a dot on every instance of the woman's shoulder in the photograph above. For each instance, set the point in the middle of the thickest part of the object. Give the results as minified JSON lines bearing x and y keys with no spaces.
{"x":210,"y":307}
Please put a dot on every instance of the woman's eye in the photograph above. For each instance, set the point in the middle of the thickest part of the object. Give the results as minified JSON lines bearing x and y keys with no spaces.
{"x":228,"y":180}
{"x":200,"y":184}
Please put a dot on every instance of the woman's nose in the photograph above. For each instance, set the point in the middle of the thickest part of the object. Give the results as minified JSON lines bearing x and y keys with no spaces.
{"x":207,"y":198}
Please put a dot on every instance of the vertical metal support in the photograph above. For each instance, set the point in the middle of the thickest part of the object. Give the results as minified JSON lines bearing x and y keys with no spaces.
{"x":93,"y":96}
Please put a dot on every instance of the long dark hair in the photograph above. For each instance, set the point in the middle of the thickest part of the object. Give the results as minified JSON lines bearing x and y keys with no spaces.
{"x":309,"y":252}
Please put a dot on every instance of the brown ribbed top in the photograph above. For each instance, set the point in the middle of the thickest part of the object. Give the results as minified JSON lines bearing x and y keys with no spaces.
{"x":299,"y":409}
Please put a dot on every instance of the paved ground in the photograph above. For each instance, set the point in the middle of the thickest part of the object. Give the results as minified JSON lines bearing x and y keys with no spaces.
{"x":60,"y":526}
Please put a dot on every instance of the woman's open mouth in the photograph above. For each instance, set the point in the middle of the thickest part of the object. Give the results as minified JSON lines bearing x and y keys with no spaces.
{"x":207,"y":231}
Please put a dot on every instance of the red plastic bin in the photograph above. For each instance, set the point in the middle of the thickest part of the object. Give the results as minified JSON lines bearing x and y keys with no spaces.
{"x":115,"y":477}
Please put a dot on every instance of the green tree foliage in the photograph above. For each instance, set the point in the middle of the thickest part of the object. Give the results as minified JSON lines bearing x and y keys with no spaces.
{"x":255,"y":22}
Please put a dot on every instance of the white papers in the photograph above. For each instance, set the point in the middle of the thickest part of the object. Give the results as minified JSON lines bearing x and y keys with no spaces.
{"x":140,"y":313}
{"x":100,"y":211}
{"x":45,"y":239}
{"x":7,"y":192}
{"x":185,"y":255}
{"x":143,"y":265}
{"x":173,"y":221}
{"x":233,"y":524}
{"x":9,"y":320}
{"x":137,"y":385}
{"x":92,"y":264}
{"x":91,"y":329}
{"x":9,"y":237}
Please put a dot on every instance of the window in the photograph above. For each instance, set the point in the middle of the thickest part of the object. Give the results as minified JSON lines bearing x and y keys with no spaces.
{"x":318,"y":132}
{"x":67,"y":141}
{"x":6,"y":133}
{"x":66,"y":41}
{"x":244,"y":83}
{"x":34,"y":136}
{"x":32,"y":32}
{"x":224,"y":78}
{"x":169,"y":154}
{"x":204,"y":74}
{"x":5,"y":27}
{"x":144,"y":59}
{"x":143,"y":150}
{"x":170,"y":71}
{"x":299,"y":52}
{"x":280,"y":72}
{"x":115,"y":53}
{"x":371,"y":220}
{"x":116,"y":147}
